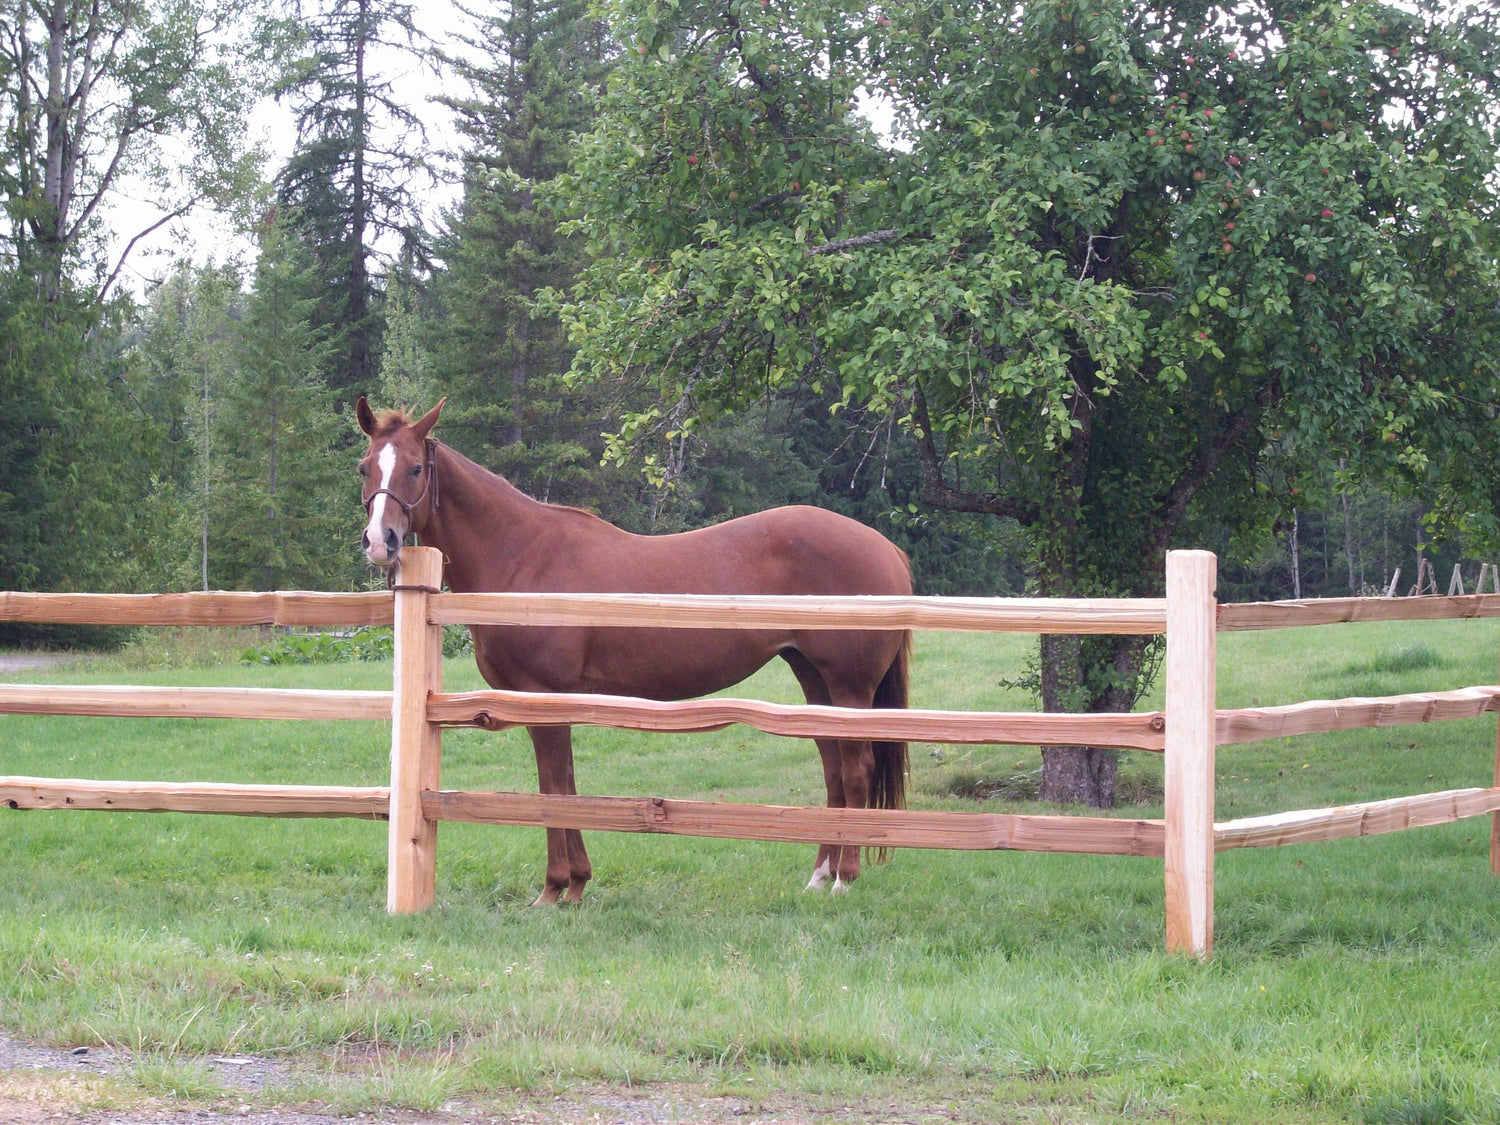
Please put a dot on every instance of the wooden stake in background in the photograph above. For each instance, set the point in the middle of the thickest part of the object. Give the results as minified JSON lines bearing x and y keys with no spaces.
{"x":416,"y":744}
{"x":1192,"y":645}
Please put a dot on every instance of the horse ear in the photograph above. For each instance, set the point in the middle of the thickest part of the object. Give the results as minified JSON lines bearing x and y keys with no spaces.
{"x":423,"y":425}
{"x":363,"y":414}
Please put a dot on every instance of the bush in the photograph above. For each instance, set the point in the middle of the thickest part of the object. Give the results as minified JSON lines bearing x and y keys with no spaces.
{"x":373,"y":642}
{"x":370,"y":642}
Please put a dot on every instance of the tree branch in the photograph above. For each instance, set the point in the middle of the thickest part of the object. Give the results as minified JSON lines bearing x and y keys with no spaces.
{"x":937,"y":492}
{"x":1180,"y":495}
{"x":769,"y":201}
{"x":858,"y":240}
{"x":129,"y":246}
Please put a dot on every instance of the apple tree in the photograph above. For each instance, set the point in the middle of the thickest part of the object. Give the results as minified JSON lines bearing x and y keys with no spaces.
{"x":1115,"y":260}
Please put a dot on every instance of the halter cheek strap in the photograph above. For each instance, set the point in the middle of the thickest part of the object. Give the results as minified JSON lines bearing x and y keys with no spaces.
{"x":430,"y":484}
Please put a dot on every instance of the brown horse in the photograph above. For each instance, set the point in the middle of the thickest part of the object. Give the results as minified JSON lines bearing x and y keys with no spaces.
{"x":495,"y":538}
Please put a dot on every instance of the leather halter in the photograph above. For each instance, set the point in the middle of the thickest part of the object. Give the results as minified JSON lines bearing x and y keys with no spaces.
{"x":429,"y":483}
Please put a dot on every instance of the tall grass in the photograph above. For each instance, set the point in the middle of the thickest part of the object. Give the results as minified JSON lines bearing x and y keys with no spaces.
{"x":1352,"y":981}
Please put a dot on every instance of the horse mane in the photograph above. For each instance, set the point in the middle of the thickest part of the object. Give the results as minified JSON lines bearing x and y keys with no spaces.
{"x":388,"y":421}
{"x":501,"y":480}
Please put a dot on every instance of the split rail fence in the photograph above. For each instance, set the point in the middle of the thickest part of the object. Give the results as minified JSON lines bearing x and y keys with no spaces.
{"x":1187,"y":732}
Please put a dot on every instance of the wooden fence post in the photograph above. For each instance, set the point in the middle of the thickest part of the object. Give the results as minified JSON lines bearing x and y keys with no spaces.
{"x":1192,"y":638}
{"x":1494,"y":816}
{"x":416,"y":744}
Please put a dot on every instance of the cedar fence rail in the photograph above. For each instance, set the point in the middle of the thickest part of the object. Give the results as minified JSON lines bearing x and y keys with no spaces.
{"x":1187,"y":732}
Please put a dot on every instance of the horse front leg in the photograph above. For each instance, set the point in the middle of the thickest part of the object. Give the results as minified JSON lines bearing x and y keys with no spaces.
{"x":848,"y":768}
{"x":568,"y":869}
{"x":857,"y":767}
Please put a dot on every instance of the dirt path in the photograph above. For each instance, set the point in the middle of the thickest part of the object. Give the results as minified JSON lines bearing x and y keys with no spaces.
{"x":12,"y":662}
{"x":40,"y":1084}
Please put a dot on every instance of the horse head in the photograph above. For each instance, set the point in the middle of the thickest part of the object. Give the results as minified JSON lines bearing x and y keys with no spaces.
{"x":399,"y":478}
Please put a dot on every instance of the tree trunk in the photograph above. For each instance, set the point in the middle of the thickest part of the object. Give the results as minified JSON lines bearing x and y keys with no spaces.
{"x":207,"y":487}
{"x":1354,"y":584}
{"x":1084,"y":775}
{"x":1296,"y":561}
{"x":1079,"y":775}
{"x":362,"y":359}
{"x":271,"y":507}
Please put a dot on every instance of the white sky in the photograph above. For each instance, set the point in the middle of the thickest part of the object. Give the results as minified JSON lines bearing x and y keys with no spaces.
{"x":205,"y":236}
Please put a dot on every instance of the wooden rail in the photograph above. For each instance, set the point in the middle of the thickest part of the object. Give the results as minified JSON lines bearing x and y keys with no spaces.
{"x":1333,"y":611}
{"x":904,"y":828}
{"x":1370,"y":818}
{"x":703,"y":611}
{"x":193,"y":703}
{"x":371,"y":803}
{"x":1319,"y":716}
{"x":495,"y":710}
{"x":860,"y":827}
{"x":217,"y":607}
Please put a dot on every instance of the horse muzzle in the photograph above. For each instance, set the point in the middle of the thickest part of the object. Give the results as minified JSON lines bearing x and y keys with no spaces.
{"x":383,"y":553}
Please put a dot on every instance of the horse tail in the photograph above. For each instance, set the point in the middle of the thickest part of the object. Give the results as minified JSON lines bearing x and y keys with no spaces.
{"x":888,"y":787}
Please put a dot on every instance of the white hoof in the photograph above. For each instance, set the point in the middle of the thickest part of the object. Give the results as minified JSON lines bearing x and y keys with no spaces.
{"x":820,"y":878}
{"x":839,"y":887}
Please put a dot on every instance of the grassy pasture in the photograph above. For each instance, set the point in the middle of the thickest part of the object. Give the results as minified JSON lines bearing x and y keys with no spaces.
{"x":1353,"y":981}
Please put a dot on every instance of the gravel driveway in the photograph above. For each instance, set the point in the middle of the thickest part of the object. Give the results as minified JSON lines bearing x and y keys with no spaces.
{"x":12,"y":662}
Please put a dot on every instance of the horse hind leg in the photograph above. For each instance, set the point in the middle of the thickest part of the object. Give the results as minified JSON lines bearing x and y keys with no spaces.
{"x":830,"y":862}
{"x":857,"y":767}
{"x":827,"y":862}
{"x":568,"y":869}
{"x":848,"y":770}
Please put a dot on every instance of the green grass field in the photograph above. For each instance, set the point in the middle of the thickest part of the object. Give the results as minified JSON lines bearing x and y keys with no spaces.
{"x":1353,"y":981}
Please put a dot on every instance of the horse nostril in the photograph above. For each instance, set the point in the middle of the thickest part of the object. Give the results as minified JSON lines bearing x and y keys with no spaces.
{"x":364,"y":541}
{"x":392,"y":542}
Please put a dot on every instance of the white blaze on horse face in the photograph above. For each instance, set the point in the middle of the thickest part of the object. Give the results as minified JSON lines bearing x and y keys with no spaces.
{"x":375,"y":532}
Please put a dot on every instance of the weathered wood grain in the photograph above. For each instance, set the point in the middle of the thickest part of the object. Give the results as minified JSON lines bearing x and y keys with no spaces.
{"x":192,"y":703}
{"x":1189,"y":768}
{"x":699,"y":611}
{"x":371,"y":803}
{"x":214,"y":607}
{"x":1494,"y":817}
{"x":860,"y":827}
{"x":1236,"y":617}
{"x":1370,"y":818}
{"x":494,"y":710}
{"x":1318,"y":716}
{"x":416,"y":743}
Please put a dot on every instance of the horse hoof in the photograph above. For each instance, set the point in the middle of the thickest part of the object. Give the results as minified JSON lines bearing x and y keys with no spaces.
{"x":839,"y":887}
{"x":548,"y":897}
{"x":820,"y":877}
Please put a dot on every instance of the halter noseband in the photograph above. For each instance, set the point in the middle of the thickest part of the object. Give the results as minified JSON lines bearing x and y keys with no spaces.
{"x":430,"y":483}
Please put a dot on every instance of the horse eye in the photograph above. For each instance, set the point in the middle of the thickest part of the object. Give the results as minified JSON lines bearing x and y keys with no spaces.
{"x":416,"y":470}
{"x":364,"y":470}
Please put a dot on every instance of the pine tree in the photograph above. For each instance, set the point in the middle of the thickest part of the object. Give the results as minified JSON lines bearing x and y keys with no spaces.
{"x":78,"y":455}
{"x":541,"y":67}
{"x":181,"y":363}
{"x":406,"y":378}
{"x":349,"y":182}
{"x":280,"y":517}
